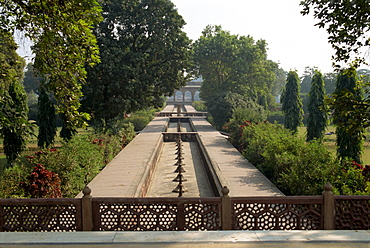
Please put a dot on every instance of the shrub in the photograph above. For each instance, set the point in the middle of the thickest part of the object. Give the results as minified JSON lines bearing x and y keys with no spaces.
{"x":199,"y":105}
{"x":42,"y":183}
{"x":9,"y":181}
{"x":297,"y":167}
{"x":140,"y":119}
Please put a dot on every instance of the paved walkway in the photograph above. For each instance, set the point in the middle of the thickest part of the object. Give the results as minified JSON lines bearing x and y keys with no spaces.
{"x":234,"y":171}
{"x":183,"y":239}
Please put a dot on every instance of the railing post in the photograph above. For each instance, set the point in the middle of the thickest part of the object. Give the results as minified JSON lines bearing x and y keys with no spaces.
{"x":87,"y":216}
{"x":226,"y":209}
{"x":328,"y":207}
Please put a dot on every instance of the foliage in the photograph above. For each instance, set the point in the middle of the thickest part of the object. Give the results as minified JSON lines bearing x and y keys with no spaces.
{"x":16,"y":131}
{"x":46,"y":120}
{"x":276,"y":116}
{"x":42,"y":183}
{"x":347,"y":23}
{"x":307,"y":79}
{"x":31,"y":80}
{"x":9,"y":181}
{"x":80,"y":160}
{"x":144,"y":55}
{"x":292,"y":103}
{"x":63,"y":44}
{"x":317,"y":118}
{"x":232,"y":64}
{"x":349,"y":133}
{"x":199,"y":106}
{"x":14,"y":127}
{"x":140,"y":119}
{"x":290,"y":162}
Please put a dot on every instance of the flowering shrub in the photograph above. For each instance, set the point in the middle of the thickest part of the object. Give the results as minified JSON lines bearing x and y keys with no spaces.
{"x":42,"y":183}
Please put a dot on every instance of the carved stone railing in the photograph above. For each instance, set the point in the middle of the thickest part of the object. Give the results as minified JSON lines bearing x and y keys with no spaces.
{"x":182,"y":213}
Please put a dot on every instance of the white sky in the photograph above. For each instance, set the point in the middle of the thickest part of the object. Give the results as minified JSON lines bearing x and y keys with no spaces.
{"x":292,"y":39}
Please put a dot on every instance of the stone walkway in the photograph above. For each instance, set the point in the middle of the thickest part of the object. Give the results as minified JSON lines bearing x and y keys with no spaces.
{"x":183,"y":239}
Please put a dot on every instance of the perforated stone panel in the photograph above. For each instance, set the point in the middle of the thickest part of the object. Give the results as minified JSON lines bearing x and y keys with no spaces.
{"x":39,"y":218}
{"x":200,"y":217}
{"x":352,"y":214}
{"x":138,"y":217}
{"x":276,"y":216}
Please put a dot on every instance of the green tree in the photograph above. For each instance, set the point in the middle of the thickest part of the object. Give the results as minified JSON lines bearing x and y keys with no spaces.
{"x":144,"y":55}
{"x":307,"y":79}
{"x":330,"y":80}
{"x":317,"y":118}
{"x":63,"y":44}
{"x":14,"y":127}
{"x":31,"y":80}
{"x":349,"y":137}
{"x":292,"y":103}
{"x":46,"y":120}
{"x":347,"y":23}
{"x":233,"y":64}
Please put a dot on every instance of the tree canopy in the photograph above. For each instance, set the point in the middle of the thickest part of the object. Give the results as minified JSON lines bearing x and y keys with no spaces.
{"x":144,"y":55}
{"x":233,"y":64}
{"x":317,"y":118}
{"x":347,"y":23}
{"x":292,"y":103}
{"x":14,"y":127}
{"x":63,"y":44}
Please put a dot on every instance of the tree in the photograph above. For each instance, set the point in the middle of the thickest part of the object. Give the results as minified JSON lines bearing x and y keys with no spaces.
{"x":63,"y":44}
{"x":46,"y":120}
{"x":291,"y":102}
{"x":349,"y":137}
{"x":233,"y":64}
{"x":14,"y":127}
{"x":317,"y":119}
{"x":347,"y":23}
{"x":144,"y":55}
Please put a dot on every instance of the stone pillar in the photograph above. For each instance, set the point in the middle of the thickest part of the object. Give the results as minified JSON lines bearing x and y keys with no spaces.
{"x":328,"y":208}
{"x":87,"y":216}
{"x":226,"y":209}
{"x":179,"y":107}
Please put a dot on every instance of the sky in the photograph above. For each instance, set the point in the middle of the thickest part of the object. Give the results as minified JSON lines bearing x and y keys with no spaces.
{"x":293,"y":40}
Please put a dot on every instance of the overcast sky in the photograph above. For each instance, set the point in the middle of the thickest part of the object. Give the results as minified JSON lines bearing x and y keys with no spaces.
{"x":292,"y":39}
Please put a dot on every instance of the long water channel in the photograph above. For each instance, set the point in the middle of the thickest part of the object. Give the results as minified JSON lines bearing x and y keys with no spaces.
{"x":195,"y":180}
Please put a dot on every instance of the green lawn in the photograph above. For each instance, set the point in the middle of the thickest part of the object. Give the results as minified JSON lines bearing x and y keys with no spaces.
{"x":329,"y":142}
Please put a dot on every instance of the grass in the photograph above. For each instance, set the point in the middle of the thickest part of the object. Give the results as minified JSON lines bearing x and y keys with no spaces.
{"x":329,"y":142}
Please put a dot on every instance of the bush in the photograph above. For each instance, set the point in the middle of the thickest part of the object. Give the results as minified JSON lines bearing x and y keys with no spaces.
{"x":199,"y":106}
{"x":140,"y":119}
{"x":42,"y":183}
{"x":276,"y":117}
{"x":9,"y":181}
{"x":297,"y":167}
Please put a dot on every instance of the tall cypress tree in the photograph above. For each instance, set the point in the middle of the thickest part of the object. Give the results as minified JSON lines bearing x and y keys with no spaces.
{"x":317,"y":118}
{"x":349,"y":140}
{"x":292,"y":103}
{"x":46,"y":120}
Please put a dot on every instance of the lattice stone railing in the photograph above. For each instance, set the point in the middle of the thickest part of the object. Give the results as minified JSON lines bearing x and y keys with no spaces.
{"x":40,"y":215}
{"x":276,"y":213}
{"x":156,"y":214}
{"x":352,"y":212}
{"x":182,"y":213}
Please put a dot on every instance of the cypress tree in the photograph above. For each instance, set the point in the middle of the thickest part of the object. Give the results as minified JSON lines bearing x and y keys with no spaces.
{"x":46,"y":120}
{"x":317,"y":119}
{"x":15,"y":134}
{"x":292,"y":103}
{"x":349,"y":140}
